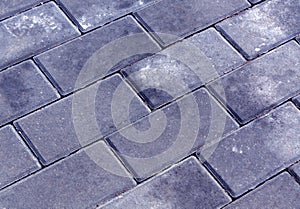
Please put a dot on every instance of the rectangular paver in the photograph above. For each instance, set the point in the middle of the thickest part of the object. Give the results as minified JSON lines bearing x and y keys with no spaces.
{"x":257,"y":151}
{"x":261,"y":84}
{"x":23,"y":88}
{"x":263,"y":27}
{"x":16,"y":160}
{"x":171,"y":20}
{"x":32,"y":32}
{"x":80,"y":181}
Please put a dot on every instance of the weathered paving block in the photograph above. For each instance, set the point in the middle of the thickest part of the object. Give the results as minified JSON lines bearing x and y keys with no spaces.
{"x":280,"y":192}
{"x":295,"y":170}
{"x":32,"y":32}
{"x":257,"y":151}
{"x":15,"y":158}
{"x":261,"y":84}
{"x":297,"y":101}
{"x":92,"y":13}
{"x":23,"y":88}
{"x":264,"y":27}
{"x":186,"y":185}
{"x":65,"y":126}
{"x":170,"y":134}
{"x":76,"y":182}
{"x":65,"y":63}
{"x":171,"y":20}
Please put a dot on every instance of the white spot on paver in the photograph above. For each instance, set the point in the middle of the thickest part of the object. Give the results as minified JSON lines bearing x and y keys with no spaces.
{"x":236,"y":150}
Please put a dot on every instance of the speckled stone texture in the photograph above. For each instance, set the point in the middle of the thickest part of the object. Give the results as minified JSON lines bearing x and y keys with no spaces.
{"x":262,"y":83}
{"x":32,"y":32}
{"x":264,"y":27}
{"x":257,"y":151}
{"x":76,"y":182}
{"x":280,"y":192}
{"x":295,"y":170}
{"x":171,"y":20}
{"x":23,"y":89}
{"x":186,"y":185}
{"x":15,"y":158}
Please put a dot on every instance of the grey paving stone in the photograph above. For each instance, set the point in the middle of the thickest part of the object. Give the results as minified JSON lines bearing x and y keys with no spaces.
{"x":75,"y":54}
{"x":280,"y":192}
{"x":32,"y":32}
{"x":92,"y":13}
{"x":15,"y":159}
{"x":178,"y":19}
{"x":65,"y":126}
{"x":170,"y":134}
{"x":185,"y":185}
{"x":257,"y":151}
{"x":23,"y":88}
{"x":261,"y":84}
{"x":297,"y":101}
{"x":295,"y":170}
{"x":263,"y":27}
{"x":76,"y":182}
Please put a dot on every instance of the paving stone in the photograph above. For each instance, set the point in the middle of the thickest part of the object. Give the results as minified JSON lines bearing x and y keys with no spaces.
{"x":23,"y":89}
{"x":263,"y":27}
{"x":92,"y":13}
{"x":65,"y":126}
{"x":170,"y":134}
{"x":74,"y":55}
{"x":280,"y":192}
{"x":15,"y":158}
{"x":171,"y":20}
{"x":297,"y":101}
{"x":261,"y":84}
{"x":76,"y":182}
{"x":295,"y":170}
{"x":257,"y":151}
{"x":186,"y":185}
{"x":32,"y":32}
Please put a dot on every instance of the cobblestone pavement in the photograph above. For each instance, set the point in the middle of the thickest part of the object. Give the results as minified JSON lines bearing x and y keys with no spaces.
{"x":150,"y":104}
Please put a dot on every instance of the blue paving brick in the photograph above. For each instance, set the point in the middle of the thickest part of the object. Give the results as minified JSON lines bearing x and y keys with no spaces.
{"x":178,"y":19}
{"x":297,"y":101}
{"x":74,"y":55}
{"x":264,"y":27}
{"x":186,"y":185}
{"x":15,"y":159}
{"x":280,"y":192}
{"x":295,"y":170}
{"x":166,"y":136}
{"x":54,"y":131}
{"x":33,"y":31}
{"x":257,"y":151}
{"x":92,"y":13}
{"x":261,"y":84}
{"x":76,"y":182}
{"x":23,"y":89}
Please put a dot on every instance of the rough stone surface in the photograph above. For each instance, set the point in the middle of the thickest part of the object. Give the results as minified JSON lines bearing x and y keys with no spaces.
{"x":171,"y":20}
{"x":264,"y":27}
{"x":186,"y":185}
{"x":23,"y":89}
{"x":280,"y":192}
{"x":168,"y":135}
{"x":15,"y":158}
{"x":257,"y":151}
{"x":76,"y":182}
{"x":295,"y":170}
{"x":261,"y":84}
{"x":74,"y":55}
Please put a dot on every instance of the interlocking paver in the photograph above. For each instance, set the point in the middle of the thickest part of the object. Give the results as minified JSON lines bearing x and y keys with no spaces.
{"x":74,"y":55}
{"x":66,"y":125}
{"x":92,"y":13}
{"x":23,"y":89}
{"x":33,"y":31}
{"x":261,"y":84}
{"x":175,"y":132}
{"x":257,"y":151}
{"x":280,"y":192}
{"x":171,"y":20}
{"x":297,"y":101}
{"x":295,"y":170}
{"x":264,"y":27}
{"x":15,"y":158}
{"x":186,"y":185}
{"x":76,"y":182}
